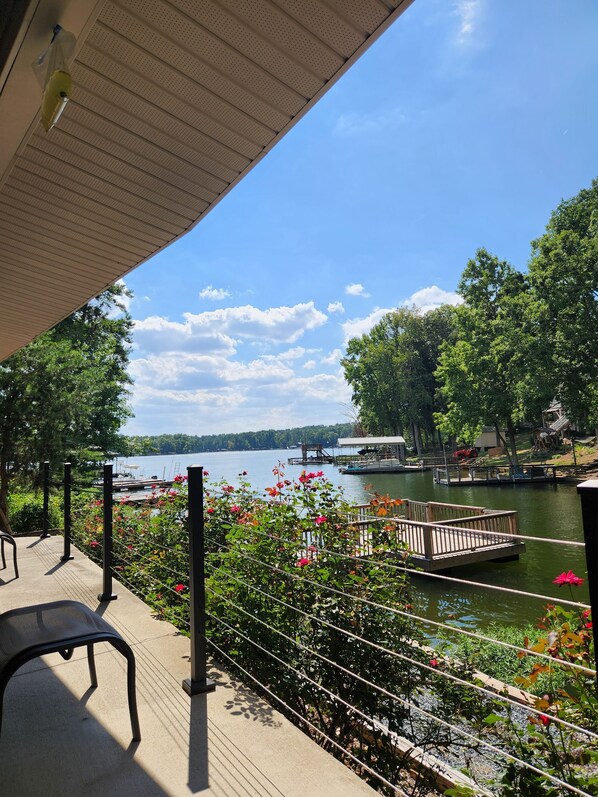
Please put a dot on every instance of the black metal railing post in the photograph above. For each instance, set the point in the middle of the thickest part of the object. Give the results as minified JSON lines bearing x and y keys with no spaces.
{"x":107,"y":594}
{"x":198,"y":683}
{"x":588,"y":492}
{"x":46,"y":507}
{"x":67,"y":485}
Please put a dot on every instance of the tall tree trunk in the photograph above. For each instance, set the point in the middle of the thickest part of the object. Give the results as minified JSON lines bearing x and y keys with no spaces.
{"x":511,"y":445}
{"x":513,"y":442}
{"x":416,"y":436}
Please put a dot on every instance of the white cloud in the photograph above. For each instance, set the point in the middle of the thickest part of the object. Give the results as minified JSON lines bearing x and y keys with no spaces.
{"x":235,"y":397}
{"x":467,"y":12}
{"x":333,"y":358}
{"x":356,"y":289}
{"x":157,"y":334}
{"x":368,"y":125}
{"x":431,"y":298}
{"x":425,"y":299}
{"x":296,"y":353}
{"x":124,"y":301}
{"x":279,"y":324}
{"x":162,"y":400}
{"x":219,"y":330}
{"x":356,"y":327}
{"x":213,"y":293}
{"x":335,"y":307}
{"x":232,"y":369}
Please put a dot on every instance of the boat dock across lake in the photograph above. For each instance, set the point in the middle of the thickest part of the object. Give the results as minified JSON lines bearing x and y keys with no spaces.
{"x":471,"y":474}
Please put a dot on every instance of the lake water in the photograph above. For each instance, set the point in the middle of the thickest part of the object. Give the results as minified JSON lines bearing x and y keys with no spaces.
{"x":545,"y":510}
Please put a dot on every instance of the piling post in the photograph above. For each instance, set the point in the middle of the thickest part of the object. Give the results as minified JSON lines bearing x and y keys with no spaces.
{"x":66,"y":486}
{"x":46,"y":507}
{"x":428,"y":541}
{"x":107,"y":594}
{"x":588,"y":492}
{"x":198,"y":682}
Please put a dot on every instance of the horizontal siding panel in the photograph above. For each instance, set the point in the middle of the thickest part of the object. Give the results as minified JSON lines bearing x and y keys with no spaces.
{"x":66,"y":175}
{"x":188,"y":37}
{"x":112,"y":123}
{"x":194,"y":66}
{"x":74,"y":217}
{"x":35,"y":184}
{"x":299,"y":59}
{"x":20,"y":215}
{"x":119,"y":172}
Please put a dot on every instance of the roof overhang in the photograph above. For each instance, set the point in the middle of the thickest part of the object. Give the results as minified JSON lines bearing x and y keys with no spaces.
{"x":174,"y":102}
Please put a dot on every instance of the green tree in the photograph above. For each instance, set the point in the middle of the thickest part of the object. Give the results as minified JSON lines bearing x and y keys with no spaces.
{"x":65,"y":391}
{"x":563,"y":275}
{"x":391,"y":371}
{"x":484,"y":373}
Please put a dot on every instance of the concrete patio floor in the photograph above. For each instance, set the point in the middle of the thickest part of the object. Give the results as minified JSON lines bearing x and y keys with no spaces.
{"x":60,"y":737}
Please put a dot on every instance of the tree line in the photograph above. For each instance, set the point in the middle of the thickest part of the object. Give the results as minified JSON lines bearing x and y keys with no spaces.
{"x":239,"y":441}
{"x":518,"y":340}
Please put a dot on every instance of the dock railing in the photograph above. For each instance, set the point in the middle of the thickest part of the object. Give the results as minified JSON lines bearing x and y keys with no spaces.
{"x":434,"y":529}
{"x":433,"y":540}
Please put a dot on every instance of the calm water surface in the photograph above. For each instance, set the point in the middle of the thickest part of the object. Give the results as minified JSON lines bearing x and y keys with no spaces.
{"x":544,"y":511}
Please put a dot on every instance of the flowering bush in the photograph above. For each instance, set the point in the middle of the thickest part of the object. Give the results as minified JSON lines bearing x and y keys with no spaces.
{"x":568,"y":694}
{"x":292,"y":600}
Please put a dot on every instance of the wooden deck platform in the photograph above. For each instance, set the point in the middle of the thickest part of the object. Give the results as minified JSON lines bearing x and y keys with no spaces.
{"x":312,"y":454}
{"x":135,"y":485}
{"x":468,"y":475}
{"x":441,"y":536}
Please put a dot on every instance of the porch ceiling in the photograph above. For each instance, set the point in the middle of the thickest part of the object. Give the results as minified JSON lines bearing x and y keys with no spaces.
{"x":174,"y":102}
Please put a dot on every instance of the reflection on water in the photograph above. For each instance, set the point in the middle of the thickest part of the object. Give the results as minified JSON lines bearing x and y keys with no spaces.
{"x":545,"y":510}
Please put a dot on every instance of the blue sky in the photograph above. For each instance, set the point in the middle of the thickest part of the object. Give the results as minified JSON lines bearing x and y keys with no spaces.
{"x":463,"y":126}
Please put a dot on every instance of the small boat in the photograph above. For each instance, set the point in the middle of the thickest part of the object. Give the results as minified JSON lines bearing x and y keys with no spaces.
{"x":390,"y":465}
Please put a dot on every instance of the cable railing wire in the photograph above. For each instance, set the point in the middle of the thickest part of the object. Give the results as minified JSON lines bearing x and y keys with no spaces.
{"x":299,"y":716}
{"x":394,"y":610}
{"x":437,"y":672}
{"x":429,"y":715}
{"x":161,"y":565}
{"x":438,"y":576}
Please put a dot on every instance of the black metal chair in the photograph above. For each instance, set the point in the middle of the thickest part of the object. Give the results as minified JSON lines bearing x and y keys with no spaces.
{"x":6,"y":537}
{"x":60,"y":627}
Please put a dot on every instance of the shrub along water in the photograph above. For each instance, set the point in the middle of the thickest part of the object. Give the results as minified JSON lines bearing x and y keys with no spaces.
{"x":26,"y":512}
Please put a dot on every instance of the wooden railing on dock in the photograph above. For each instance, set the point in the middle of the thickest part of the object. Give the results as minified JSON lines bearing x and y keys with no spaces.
{"x":436,"y":535}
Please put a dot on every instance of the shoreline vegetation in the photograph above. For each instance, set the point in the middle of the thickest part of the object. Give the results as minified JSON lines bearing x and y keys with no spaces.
{"x":584,"y":459}
{"x":264,"y":439}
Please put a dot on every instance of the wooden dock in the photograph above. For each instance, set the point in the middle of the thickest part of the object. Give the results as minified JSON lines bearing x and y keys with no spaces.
{"x":312,"y":455}
{"x":438,"y":536}
{"x":501,"y":475}
{"x":135,"y":485}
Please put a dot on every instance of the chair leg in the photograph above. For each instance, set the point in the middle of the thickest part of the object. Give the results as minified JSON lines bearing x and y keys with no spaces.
{"x":2,"y":688}
{"x":92,"y":665}
{"x":14,"y":560}
{"x":124,"y":648}
{"x":3,"y":539}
